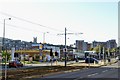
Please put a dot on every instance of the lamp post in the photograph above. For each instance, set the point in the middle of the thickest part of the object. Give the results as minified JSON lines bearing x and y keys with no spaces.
{"x":3,"y":44}
{"x":44,"y":36}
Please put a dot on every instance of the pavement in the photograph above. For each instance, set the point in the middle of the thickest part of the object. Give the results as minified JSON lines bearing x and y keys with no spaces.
{"x":73,"y":63}
{"x":52,"y":64}
{"x":69,"y":63}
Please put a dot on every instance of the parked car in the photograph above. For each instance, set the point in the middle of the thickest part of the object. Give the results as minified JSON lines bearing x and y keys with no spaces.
{"x":91,"y":60}
{"x":15,"y":64}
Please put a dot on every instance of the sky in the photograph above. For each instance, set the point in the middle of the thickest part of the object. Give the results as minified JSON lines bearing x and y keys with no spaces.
{"x":96,"y":19}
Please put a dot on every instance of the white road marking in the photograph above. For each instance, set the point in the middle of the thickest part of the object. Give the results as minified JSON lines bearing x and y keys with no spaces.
{"x":89,"y":75}
{"x":104,"y":71}
{"x":93,"y":74}
{"x":76,"y":70}
{"x":78,"y":78}
{"x":67,"y":71}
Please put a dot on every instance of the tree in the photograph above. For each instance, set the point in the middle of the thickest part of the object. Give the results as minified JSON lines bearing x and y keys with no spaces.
{"x":96,"y":49}
{"x":113,"y":50}
{"x":91,"y":49}
{"x":118,"y":49}
{"x":6,"y":54}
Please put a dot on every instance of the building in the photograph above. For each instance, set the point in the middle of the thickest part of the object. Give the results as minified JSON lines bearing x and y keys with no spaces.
{"x":0,"y":41}
{"x":55,"y":48}
{"x":84,"y":46}
{"x":34,"y":39}
{"x":17,"y":44}
{"x":118,"y":41}
{"x":94,"y":44}
{"x":88,"y":46}
{"x":111,"y":44}
{"x":81,"y":45}
{"x":108,"y":44}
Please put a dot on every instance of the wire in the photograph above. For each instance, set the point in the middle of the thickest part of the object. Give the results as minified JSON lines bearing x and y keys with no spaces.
{"x":30,"y":21}
{"x":28,"y":29}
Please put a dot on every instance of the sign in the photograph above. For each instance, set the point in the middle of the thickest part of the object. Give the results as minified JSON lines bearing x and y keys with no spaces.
{"x":12,"y":54}
{"x":64,"y":49}
{"x":40,"y":47}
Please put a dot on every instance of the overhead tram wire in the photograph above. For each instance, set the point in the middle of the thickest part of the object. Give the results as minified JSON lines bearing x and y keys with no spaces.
{"x":75,"y":33}
{"x":27,"y":29}
{"x":29,"y":21}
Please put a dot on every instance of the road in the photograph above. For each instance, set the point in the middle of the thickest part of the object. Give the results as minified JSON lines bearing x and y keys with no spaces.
{"x":111,"y":71}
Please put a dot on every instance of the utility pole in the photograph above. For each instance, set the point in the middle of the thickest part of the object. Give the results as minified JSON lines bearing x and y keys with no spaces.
{"x":65,"y":52}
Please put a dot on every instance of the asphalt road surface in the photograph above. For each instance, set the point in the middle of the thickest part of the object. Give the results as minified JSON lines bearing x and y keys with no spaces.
{"x":110,"y":72}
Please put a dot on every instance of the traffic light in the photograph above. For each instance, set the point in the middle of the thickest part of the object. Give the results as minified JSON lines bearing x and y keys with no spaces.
{"x":56,"y":54}
{"x":51,"y":53}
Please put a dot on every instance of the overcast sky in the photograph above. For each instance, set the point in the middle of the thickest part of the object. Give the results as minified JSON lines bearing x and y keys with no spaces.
{"x":31,"y":18}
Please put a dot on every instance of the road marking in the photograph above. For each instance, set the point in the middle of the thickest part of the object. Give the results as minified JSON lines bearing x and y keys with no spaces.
{"x":89,"y":75}
{"x":92,"y":74}
{"x":95,"y":73}
{"x":78,"y":78}
{"x":76,"y":70}
{"x":72,"y":70}
{"x":67,"y":71}
{"x":105,"y":71}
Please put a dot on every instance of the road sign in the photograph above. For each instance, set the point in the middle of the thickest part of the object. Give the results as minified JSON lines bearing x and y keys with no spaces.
{"x":64,"y":49}
{"x":40,"y":47}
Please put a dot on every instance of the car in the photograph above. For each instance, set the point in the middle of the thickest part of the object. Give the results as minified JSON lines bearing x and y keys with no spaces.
{"x":15,"y":64}
{"x":91,"y":60}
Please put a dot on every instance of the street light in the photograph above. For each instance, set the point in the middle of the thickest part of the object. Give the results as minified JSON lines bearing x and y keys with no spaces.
{"x":44,"y":36}
{"x":4,"y":47}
